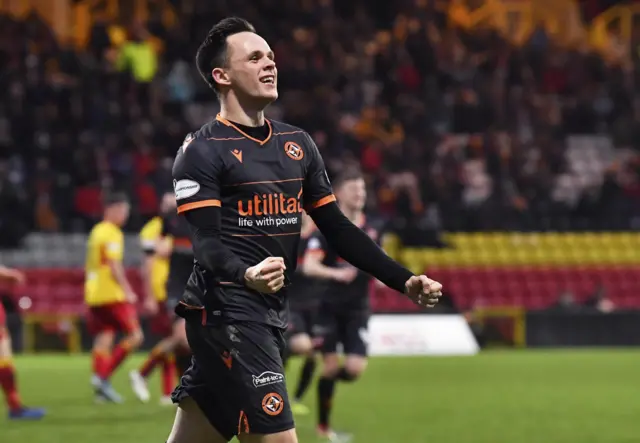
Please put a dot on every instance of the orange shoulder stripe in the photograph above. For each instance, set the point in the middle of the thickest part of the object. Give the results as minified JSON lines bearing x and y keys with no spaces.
{"x":200,"y":204}
{"x":323,"y":201}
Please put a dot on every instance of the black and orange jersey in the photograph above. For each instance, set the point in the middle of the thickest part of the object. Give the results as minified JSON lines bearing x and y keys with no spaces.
{"x":354,"y":295}
{"x":262,"y":187}
{"x":304,"y":290}
{"x":181,"y":259}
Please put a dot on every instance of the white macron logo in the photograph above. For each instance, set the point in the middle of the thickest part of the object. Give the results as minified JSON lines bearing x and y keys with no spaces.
{"x":185,"y":188}
{"x":267,"y":378}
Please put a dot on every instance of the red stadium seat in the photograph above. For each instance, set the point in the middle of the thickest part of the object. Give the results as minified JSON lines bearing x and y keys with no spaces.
{"x":537,"y":287}
{"x":62,"y":290}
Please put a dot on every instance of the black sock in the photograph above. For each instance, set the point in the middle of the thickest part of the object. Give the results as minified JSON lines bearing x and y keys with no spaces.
{"x":344,"y":375}
{"x":326,"y":386}
{"x":305,"y":377}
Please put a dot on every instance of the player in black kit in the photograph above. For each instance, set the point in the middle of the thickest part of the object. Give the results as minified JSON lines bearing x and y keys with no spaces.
{"x":303,"y":303}
{"x":174,"y":243}
{"x":344,"y":307}
{"x":242,"y":182}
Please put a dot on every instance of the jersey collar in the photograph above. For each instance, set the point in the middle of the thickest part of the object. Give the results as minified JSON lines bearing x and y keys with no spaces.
{"x":226,"y":122}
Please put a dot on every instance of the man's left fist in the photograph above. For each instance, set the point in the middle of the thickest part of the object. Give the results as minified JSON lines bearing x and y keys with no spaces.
{"x":423,"y":291}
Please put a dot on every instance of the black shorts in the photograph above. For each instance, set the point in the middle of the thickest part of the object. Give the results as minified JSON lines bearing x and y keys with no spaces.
{"x":301,"y":321}
{"x":237,"y":378}
{"x":344,"y":326}
{"x":175,"y":288}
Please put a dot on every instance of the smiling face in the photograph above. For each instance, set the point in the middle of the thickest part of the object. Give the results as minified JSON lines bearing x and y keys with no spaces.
{"x":250,"y":70}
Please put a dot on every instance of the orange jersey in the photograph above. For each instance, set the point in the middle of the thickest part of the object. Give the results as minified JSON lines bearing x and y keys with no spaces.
{"x":106,"y":244}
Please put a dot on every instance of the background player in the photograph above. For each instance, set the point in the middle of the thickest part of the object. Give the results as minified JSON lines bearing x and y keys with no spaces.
{"x":241,"y":182}
{"x":8,"y":384}
{"x":155,"y":271}
{"x":109,"y":297}
{"x":175,"y":245}
{"x":344,"y":302}
{"x":303,"y":302}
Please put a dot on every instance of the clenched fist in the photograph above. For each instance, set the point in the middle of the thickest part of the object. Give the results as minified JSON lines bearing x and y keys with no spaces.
{"x":267,"y":276}
{"x":423,"y":291}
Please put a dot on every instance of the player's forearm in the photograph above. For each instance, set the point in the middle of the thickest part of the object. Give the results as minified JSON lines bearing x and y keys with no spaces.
{"x":146,"y":274}
{"x":164,"y":248}
{"x":355,"y":246}
{"x":217,"y":258}
{"x":318,"y":270}
{"x":209,"y":249}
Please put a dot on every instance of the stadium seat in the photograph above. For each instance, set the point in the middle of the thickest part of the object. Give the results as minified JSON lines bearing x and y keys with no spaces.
{"x":500,"y":269}
{"x":62,"y":290}
{"x":536,"y":287}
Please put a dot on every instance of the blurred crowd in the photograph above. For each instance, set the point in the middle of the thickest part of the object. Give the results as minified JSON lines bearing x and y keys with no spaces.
{"x":455,"y":129}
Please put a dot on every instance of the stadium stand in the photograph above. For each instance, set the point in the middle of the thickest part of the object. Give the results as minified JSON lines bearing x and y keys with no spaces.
{"x":523,"y":146}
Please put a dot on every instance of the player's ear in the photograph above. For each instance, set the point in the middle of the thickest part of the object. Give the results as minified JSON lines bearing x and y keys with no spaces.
{"x":221,"y":77}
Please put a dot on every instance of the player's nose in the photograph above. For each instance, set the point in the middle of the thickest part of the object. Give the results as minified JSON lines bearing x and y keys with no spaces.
{"x":269,"y":65}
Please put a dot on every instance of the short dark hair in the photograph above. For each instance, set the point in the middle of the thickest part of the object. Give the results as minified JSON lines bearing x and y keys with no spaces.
{"x":212,"y":53}
{"x":114,"y":197}
{"x":347,"y":175}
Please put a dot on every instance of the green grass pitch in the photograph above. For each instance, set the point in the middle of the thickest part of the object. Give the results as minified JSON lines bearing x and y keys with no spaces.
{"x":496,"y":397}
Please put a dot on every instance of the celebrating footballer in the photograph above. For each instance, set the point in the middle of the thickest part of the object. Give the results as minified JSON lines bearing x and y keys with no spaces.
{"x":241,"y":183}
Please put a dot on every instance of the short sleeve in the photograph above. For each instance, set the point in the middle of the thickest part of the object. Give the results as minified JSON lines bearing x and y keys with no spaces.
{"x":317,"y":189}
{"x":196,"y":175}
{"x":148,"y":245}
{"x":316,"y":246}
{"x":113,"y":246}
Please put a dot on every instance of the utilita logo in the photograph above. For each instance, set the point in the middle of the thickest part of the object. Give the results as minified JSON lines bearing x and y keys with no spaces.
{"x":276,"y":209}
{"x":270,"y":204}
{"x":267,"y":378}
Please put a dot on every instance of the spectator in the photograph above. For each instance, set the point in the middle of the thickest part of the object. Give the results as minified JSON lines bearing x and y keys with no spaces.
{"x":446,"y":118}
{"x":600,"y":301}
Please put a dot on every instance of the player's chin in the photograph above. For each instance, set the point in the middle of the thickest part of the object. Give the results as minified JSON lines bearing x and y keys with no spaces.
{"x":268,"y":92}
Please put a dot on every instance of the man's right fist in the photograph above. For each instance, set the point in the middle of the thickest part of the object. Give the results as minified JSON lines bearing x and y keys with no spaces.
{"x":267,"y":276}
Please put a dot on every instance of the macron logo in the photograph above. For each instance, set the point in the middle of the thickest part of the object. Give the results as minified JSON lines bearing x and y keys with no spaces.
{"x":237,"y":154}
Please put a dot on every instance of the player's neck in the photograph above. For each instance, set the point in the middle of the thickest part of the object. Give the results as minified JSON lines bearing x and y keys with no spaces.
{"x":108,"y":218}
{"x":243,"y":115}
